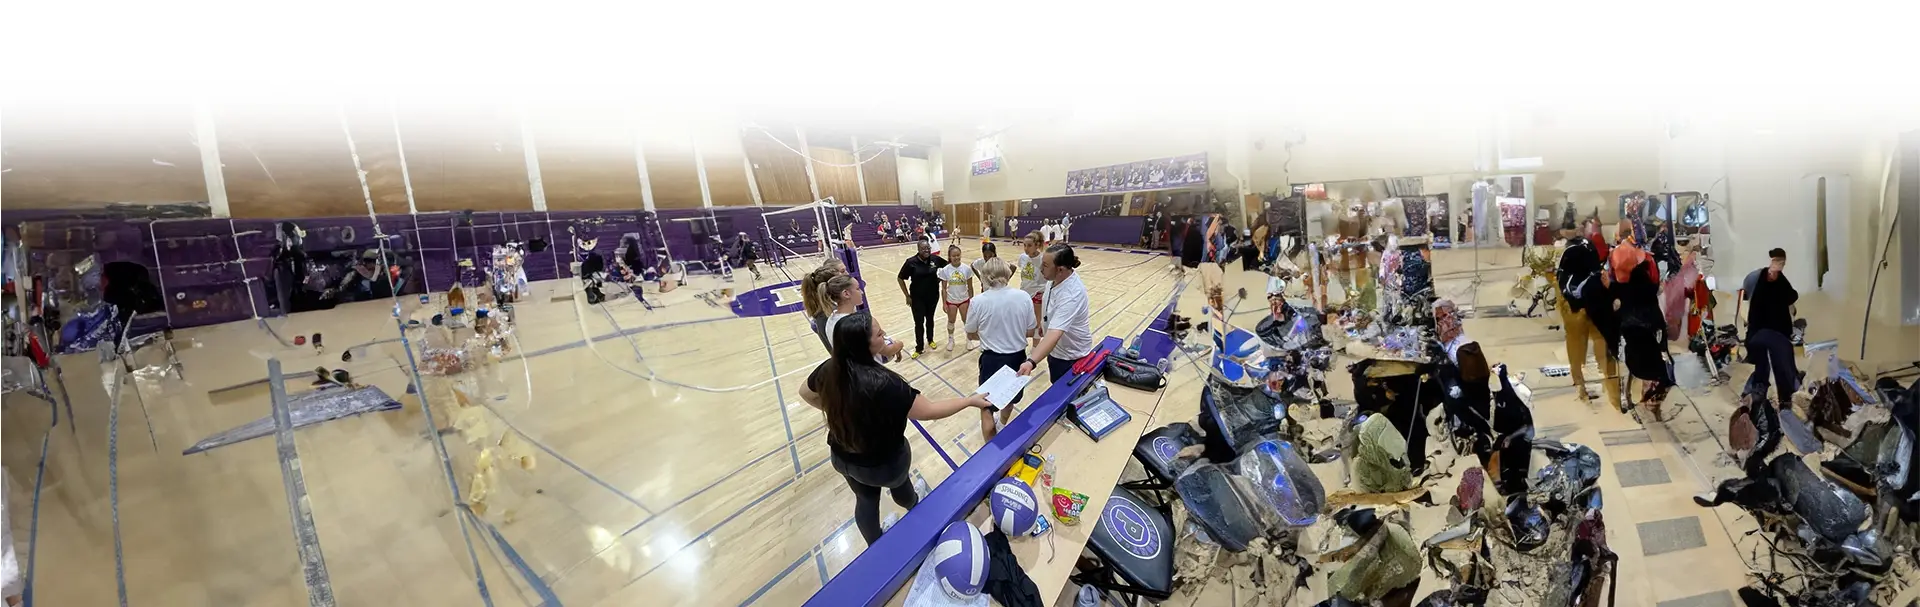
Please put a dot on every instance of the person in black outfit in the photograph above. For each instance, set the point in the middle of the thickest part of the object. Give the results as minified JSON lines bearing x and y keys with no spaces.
{"x":1769,"y":324}
{"x":1249,"y":252}
{"x":1193,"y":244}
{"x":749,"y":254}
{"x":924,"y":295}
{"x":1587,"y":316}
{"x":289,"y":266}
{"x":1636,"y":288}
{"x":867,"y":407}
{"x":365,"y":281}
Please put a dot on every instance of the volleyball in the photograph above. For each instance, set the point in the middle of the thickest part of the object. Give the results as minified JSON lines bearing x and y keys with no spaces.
{"x":1014,"y":507}
{"x":960,"y":560}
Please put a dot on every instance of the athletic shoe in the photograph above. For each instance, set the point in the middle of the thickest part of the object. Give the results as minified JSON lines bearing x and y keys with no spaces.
{"x":949,"y":342}
{"x":972,"y":345}
{"x":888,"y":524}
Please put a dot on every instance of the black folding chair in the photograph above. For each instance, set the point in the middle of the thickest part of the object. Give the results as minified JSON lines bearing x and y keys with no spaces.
{"x":1133,"y":547}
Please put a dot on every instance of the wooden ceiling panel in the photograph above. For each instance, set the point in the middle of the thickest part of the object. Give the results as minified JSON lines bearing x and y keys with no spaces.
{"x":882,"y":176}
{"x":837,"y":180}
{"x":780,"y":173}
{"x":587,"y":159}
{"x":88,"y":155}
{"x":727,"y":177}
{"x":466,"y":157}
{"x":293,"y":160}
{"x":671,"y":170}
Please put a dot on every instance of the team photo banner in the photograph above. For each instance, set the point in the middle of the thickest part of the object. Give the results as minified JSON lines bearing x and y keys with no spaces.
{"x":1156,"y":174}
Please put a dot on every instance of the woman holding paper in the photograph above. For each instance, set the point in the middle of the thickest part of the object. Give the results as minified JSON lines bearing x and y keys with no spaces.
{"x":867,"y":407}
{"x":1001,"y":320}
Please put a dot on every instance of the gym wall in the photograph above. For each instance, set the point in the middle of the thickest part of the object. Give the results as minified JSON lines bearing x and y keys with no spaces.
{"x":293,"y":160}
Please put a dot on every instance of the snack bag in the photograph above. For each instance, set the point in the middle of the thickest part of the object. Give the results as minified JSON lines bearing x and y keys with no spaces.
{"x":1067,"y":506}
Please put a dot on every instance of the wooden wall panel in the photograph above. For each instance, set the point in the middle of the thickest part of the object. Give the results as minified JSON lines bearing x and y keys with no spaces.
{"x":727,"y":177}
{"x":587,"y":160}
{"x":780,"y":173}
{"x":839,"y":182}
{"x":882,"y":175}
{"x":83,"y":156}
{"x":293,"y":160}
{"x":465,"y":157}
{"x":671,"y":170}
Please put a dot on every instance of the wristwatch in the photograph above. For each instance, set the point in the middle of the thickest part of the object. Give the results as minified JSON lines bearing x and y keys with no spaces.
{"x":1033,"y":362}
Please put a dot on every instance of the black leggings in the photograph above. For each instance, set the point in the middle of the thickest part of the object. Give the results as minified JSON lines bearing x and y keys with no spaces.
{"x":923,"y":309}
{"x":867,"y":482}
{"x":1772,"y":354}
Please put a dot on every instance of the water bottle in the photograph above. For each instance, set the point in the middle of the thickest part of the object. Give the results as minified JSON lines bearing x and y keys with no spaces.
{"x":1165,"y":367}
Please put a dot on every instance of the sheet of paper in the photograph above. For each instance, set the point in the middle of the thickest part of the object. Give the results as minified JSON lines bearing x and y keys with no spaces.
{"x":1003,"y":386}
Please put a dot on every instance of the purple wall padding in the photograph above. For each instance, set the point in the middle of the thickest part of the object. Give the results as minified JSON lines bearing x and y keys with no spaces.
{"x":203,"y":266}
{"x":1102,"y":229}
{"x":1065,"y":205}
{"x":1124,"y":231}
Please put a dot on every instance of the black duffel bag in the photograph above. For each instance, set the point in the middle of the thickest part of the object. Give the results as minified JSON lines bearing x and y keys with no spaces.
{"x":1130,"y":371}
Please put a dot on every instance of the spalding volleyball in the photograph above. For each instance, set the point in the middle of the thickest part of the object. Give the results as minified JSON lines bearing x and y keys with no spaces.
{"x":960,"y":560}
{"x":1013,"y":506}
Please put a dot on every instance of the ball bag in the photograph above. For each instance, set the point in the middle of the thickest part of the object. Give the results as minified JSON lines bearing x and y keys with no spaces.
{"x":960,"y":560}
{"x":1014,"y":507}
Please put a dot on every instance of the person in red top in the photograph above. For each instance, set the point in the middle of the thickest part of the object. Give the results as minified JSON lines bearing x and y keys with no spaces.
{"x":1702,"y":304}
{"x":1594,"y":237}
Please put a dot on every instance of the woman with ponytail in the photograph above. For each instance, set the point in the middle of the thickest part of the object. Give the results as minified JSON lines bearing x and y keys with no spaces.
{"x":867,"y":407}
{"x":815,"y":306}
{"x":844,"y":294}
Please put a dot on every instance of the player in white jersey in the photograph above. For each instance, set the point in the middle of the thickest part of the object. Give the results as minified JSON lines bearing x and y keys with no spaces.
{"x":1027,"y":268}
{"x":956,"y":291}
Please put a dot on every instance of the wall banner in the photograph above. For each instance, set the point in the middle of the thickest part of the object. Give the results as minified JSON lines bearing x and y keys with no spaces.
{"x":1157,"y":174}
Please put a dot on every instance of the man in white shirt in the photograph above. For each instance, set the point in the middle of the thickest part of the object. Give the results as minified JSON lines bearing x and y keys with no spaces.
{"x":1013,"y":227}
{"x":1000,"y":321}
{"x":1067,"y":318}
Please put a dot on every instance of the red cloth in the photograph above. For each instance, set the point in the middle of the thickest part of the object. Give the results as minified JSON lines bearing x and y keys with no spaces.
{"x":1625,"y":257}
{"x":1673,"y":299}
{"x":1702,"y":307}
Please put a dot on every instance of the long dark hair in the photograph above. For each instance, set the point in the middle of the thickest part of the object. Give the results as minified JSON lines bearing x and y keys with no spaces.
{"x":850,"y":378}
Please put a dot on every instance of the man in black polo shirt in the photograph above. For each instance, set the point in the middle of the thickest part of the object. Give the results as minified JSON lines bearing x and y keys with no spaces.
{"x":1769,"y":323}
{"x":924,"y":294}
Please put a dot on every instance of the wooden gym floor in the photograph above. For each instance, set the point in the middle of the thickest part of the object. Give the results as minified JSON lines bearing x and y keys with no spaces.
{"x":669,"y":466}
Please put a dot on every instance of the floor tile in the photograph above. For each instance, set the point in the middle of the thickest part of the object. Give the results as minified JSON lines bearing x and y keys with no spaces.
{"x":1642,"y":472}
{"x":1720,"y":598}
{"x":1625,"y":437}
{"x":1671,"y":535}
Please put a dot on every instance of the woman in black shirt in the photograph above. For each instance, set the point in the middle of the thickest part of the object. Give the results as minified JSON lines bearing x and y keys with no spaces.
{"x":924,"y":295}
{"x":867,"y":408}
{"x":1636,"y":289}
